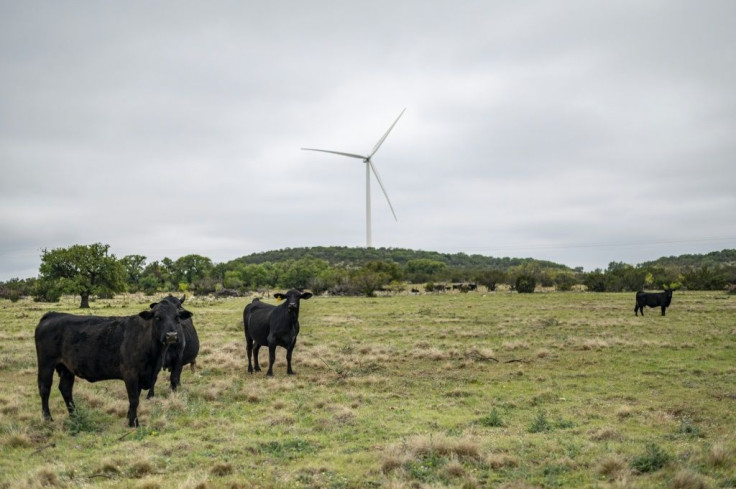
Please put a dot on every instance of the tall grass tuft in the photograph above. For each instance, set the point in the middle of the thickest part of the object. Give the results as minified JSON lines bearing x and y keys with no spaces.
{"x":492,"y":420}
{"x":653,"y":459}
{"x":81,"y":420}
{"x":540,"y":424}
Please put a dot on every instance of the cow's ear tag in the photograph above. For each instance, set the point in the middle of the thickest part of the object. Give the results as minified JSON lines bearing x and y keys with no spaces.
{"x":279,"y":299}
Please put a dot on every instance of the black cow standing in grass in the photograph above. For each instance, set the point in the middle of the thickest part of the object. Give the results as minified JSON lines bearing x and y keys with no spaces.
{"x":652,"y":299}
{"x":272,"y":326}
{"x":129,"y":348}
{"x":183,"y":352}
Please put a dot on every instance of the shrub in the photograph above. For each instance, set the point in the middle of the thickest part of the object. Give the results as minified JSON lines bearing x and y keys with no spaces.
{"x":540,"y":424}
{"x":492,"y":420}
{"x":47,"y":291}
{"x":653,"y":459}
{"x":525,"y":284}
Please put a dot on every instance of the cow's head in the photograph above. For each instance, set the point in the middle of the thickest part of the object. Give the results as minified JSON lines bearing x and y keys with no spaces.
{"x":292,"y":298}
{"x":166,"y":317}
{"x":668,"y":296}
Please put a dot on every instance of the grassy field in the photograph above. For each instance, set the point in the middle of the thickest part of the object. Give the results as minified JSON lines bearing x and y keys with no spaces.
{"x":458,"y":390}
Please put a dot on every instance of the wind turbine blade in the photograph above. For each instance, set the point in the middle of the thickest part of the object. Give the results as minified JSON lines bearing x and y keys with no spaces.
{"x":380,"y":141}
{"x":337,"y":153}
{"x":380,"y":183}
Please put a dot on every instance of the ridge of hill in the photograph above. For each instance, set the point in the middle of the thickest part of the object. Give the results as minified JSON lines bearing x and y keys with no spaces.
{"x":358,"y":257}
{"x":713,"y":259}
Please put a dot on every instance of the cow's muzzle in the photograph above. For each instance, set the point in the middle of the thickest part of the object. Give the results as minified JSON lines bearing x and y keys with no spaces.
{"x":171,"y":338}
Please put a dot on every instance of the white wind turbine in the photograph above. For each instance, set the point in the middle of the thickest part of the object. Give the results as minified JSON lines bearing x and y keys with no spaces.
{"x":369,"y":166}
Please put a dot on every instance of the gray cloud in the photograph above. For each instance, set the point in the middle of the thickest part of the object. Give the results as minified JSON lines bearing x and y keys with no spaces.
{"x":532,"y":129}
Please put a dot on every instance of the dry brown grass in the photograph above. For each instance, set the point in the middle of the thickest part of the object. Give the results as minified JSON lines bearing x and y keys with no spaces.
{"x":221,"y":469}
{"x":686,"y":479}
{"x":502,"y":460}
{"x":719,"y":455}
{"x":606,"y":434}
{"x":612,"y":467}
{"x":624,"y":412}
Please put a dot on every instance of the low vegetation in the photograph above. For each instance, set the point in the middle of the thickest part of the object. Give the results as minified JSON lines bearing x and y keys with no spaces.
{"x":90,"y":270}
{"x":508,"y":390}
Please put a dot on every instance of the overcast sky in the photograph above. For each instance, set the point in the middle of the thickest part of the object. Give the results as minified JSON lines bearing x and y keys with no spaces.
{"x":575,"y":131}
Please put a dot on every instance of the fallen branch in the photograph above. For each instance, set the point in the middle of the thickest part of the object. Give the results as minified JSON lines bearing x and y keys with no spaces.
{"x":39,"y":450}
{"x":126,"y":434}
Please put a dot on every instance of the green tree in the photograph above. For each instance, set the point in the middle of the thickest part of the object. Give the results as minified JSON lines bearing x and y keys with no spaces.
{"x":386,"y":267}
{"x":298,"y":274}
{"x":423,"y":270}
{"x":491,"y":278}
{"x":365,"y":281}
{"x":83,"y":270}
{"x":525,"y":284}
{"x":191,"y":268}
{"x":134,"y":266}
{"x":595,"y":281}
{"x":705,"y":278}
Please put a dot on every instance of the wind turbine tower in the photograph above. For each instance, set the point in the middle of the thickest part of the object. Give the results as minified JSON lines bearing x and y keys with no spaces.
{"x":369,"y":167}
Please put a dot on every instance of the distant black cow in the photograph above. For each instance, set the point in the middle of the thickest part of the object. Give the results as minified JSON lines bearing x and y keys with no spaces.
{"x":129,"y":348}
{"x":183,"y":352}
{"x":272,"y":326}
{"x":652,"y":299}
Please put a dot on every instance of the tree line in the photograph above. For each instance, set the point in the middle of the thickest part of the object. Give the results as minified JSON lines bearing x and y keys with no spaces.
{"x":92,"y":271}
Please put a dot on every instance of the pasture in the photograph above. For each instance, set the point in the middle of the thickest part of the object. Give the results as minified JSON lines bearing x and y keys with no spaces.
{"x":456,"y":390}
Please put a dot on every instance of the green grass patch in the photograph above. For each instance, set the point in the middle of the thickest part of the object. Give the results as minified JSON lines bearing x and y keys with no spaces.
{"x":456,"y":390}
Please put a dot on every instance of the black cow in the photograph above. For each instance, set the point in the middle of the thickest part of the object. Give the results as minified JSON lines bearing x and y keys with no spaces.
{"x":272,"y":326}
{"x":183,"y":352}
{"x":129,"y":348}
{"x":652,"y":299}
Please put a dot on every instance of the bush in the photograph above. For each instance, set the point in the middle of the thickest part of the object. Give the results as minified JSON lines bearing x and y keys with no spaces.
{"x":652,"y":460}
{"x":47,"y":291}
{"x":525,"y":284}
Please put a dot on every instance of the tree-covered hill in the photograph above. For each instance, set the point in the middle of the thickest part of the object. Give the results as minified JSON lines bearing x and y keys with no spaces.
{"x":91,"y":271}
{"x":713,"y":259}
{"x":357,"y":257}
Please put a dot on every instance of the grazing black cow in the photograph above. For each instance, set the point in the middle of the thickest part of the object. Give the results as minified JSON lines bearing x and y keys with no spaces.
{"x":272,"y":326}
{"x":183,"y":352}
{"x":129,"y":348}
{"x":652,"y":299}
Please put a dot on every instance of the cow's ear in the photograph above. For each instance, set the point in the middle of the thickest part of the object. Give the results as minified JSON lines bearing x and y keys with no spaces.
{"x":184,"y":314}
{"x":306,"y":295}
{"x":146,"y":314}
{"x":279,"y":296}
{"x":153,"y":304}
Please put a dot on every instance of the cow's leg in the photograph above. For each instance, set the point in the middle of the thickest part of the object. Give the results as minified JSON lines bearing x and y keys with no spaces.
{"x":256,"y":349}
{"x":134,"y":394}
{"x":288,"y":361}
{"x":663,"y":308}
{"x":66,"y":386}
{"x":636,"y":310}
{"x":271,"y":358}
{"x":175,"y":376}
{"x":249,"y":349}
{"x":289,"y":351}
{"x":45,"y":379}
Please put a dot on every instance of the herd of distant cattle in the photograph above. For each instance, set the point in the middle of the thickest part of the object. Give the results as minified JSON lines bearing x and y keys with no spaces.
{"x":136,"y":348}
